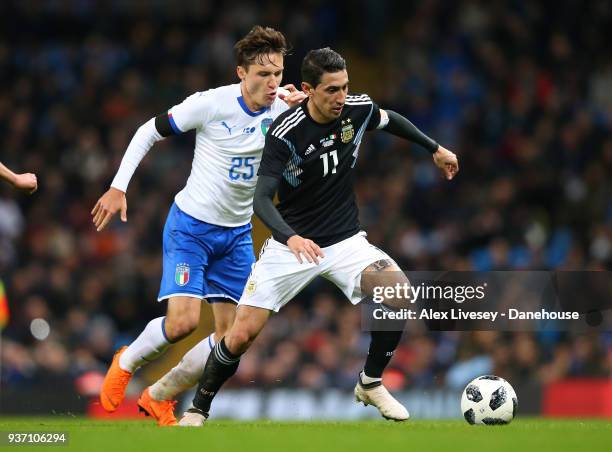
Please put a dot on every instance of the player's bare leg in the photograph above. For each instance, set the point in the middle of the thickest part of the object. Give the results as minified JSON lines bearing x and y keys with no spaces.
{"x":369,"y":389}
{"x":158,"y":399}
{"x":182,"y":317}
{"x":223,"y":361}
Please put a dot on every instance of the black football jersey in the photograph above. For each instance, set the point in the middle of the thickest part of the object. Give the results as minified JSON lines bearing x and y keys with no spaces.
{"x":316,"y":167}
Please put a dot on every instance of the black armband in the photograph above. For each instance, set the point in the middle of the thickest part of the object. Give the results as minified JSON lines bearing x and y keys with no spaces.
{"x":401,"y":127}
{"x":163,"y":126}
{"x":266,"y":210}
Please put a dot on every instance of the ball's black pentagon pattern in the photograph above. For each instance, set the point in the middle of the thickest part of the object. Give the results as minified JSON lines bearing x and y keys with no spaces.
{"x":473,"y":393}
{"x":470,"y":416}
{"x":493,"y":421}
{"x":498,"y":402}
{"x":498,"y":398}
{"x":490,"y":377}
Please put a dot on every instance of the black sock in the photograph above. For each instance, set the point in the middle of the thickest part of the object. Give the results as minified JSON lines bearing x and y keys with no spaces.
{"x":220,"y":366}
{"x":382,"y":347}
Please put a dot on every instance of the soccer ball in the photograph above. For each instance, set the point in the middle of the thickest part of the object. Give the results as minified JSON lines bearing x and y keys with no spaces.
{"x":488,"y":400}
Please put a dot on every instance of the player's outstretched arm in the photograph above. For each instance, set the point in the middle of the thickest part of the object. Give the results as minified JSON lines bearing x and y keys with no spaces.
{"x":265,"y":209}
{"x":402,"y":127}
{"x":190,"y":114}
{"x":26,"y":181}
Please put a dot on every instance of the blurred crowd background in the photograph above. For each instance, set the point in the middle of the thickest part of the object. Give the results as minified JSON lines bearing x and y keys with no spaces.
{"x":520,"y":90}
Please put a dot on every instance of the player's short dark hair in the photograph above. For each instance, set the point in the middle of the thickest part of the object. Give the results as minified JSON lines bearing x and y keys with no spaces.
{"x":319,"y":61}
{"x":257,"y":44}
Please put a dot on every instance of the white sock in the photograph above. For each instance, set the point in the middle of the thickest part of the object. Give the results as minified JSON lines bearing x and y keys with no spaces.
{"x":367,"y":380}
{"x":147,"y":347}
{"x":185,"y":374}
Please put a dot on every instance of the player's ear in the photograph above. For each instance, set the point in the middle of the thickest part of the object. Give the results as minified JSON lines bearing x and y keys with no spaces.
{"x":242,"y":72}
{"x":307,"y":88}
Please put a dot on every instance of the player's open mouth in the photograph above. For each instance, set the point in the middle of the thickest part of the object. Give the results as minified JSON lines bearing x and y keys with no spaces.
{"x":337,"y":109}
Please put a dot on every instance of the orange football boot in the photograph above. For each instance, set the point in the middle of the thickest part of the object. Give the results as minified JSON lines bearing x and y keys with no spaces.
{"x":114,"y":385}
{"x":161,"y":411}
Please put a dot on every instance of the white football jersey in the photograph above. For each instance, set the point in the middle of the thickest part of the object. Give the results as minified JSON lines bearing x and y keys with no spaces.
{"x":229,"y":142}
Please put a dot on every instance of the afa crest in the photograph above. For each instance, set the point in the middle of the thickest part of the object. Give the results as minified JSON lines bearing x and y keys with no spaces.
{"x":250,"y":288}
{"x":348,"y":131}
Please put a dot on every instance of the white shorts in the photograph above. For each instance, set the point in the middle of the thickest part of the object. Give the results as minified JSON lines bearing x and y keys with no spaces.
{"x":277,"y":276}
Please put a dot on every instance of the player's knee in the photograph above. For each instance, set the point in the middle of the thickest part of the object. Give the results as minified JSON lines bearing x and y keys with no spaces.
{"x":239,"y":339}
{"x":182,"y":317}
{"x":177,"y":329}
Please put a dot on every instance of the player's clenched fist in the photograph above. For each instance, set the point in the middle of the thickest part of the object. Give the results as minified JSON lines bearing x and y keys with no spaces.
{"x":26,"y":182}
{"x":300,"y":246}
{"x":108,"y":205}
{"x":447,"y":162}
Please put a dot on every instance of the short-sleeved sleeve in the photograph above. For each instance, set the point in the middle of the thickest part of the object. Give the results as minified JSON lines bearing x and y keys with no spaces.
{"x":193,"y":113}
{"x":375,"y":117}
{"x":276,"y":154}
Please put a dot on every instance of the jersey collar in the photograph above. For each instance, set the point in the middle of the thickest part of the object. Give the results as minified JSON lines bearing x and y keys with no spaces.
{"x":247,"y":110}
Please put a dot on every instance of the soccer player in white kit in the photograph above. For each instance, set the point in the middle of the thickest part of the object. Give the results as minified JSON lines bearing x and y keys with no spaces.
{"x":207,"y":245}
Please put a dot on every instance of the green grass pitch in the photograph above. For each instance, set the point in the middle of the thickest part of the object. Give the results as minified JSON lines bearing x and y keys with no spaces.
{"x":528,"y":434}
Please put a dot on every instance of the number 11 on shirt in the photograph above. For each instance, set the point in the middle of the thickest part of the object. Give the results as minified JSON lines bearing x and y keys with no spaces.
{"x":324,"y":157}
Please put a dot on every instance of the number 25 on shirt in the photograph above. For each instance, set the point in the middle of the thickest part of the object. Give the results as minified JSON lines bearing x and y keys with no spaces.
{"x":242,"y":167}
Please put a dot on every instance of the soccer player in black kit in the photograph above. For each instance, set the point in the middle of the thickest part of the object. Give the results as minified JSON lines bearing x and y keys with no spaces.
{"x":309,"y":159}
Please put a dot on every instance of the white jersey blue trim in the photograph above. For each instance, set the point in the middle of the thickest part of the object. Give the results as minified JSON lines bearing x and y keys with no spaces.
{"x":229,"y":142}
